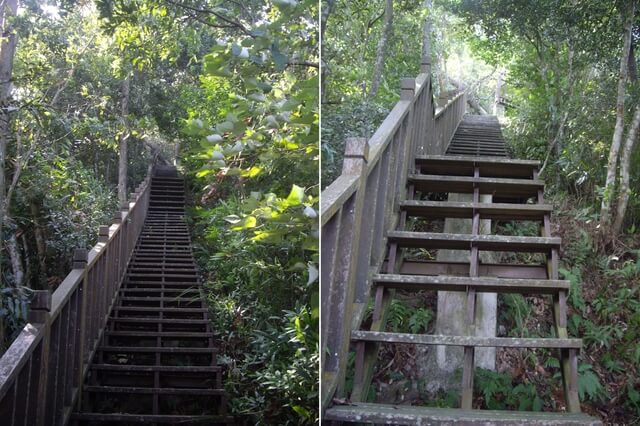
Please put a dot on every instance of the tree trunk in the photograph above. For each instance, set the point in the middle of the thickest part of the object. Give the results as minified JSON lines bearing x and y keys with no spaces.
{"x":324,"y":17}
{"x":7,"y":52}
{"x":124,"y":136}
{"x":625,"y":168}
{"x":14,"y":255}
{"x":41,"y":244}
{"x":441,"y":57}
{"x":382,"y":49}
{"x":497,"y":96}
{"x":610,"y":183}
{"x":426,"y":32}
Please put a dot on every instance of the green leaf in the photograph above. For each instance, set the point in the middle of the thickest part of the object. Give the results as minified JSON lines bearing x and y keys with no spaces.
{"x":313,"y":273}
{"x":295,"y":196}
{"x":301,"y":411}
{"x":279,"y":58}
{"x":233,"y":219}
{"x":249,"y":222}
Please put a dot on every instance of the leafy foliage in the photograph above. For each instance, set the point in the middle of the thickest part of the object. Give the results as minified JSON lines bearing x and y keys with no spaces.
{"x":253,"y":164}
{"x":499,"y":393}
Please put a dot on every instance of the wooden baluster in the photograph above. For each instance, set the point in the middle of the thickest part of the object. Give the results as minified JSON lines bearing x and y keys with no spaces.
{"x":367,"y":352}
{"x":568,"y":357}
{"x":469,"y":351}
{"x":39,"y":309}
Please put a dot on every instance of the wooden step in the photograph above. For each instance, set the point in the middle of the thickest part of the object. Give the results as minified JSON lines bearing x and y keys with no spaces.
{"x":434,"y":240}
{"x":203,"y":334}
{"x":158,"y":309}
{"x":476,"y":341}
{"x":161,"y":368}
{"x":157,"y":391}
{"x":480,"y":284}
{"x":133,"y":320}
{"x":498,"y":270}
{"x":479,"y":152}
{"x":501,"y":187}
{"x":133,"y":269}
{"x":498,"y":211}
{"x":195,"y":292}
{"x":464,"y":166}
{"x":123,"y":419}
{"x":159,"y":285}
{"x":408,"y":415}
{"x":157,"y":349}
{"x":167,"y":301}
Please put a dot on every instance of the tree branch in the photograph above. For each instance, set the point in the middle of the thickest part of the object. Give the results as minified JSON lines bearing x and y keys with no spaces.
{"x":216,"y":14}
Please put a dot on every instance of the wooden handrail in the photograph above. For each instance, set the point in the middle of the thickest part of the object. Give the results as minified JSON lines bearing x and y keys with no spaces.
{"x":42,"y":372}
{"x":359,"y":207}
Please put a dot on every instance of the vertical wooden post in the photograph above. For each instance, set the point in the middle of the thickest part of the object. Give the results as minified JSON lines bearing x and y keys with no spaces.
{"x":425,"y":66}
{"x":407,"y":89}
{"x":468,"y":368}
{"x":407,"y":93}
{"x":342,"y":287}
{"x":103,"y":234}
{"x":80,"y":258}
{"x":39,"y":314}
{"x":568,"y":357}
{"x":40,"y":307}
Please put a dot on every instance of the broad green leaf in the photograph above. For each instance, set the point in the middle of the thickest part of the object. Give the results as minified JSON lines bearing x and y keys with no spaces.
{"x":295,"y":196}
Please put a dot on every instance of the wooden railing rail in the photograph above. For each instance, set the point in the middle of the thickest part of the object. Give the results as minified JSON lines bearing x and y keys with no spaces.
{"x":42,"y":372}
{"x":362,"y":204}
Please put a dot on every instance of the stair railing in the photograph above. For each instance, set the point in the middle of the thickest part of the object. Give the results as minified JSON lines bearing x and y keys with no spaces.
{"x":42,"y":372}
{"x":360,"y":206}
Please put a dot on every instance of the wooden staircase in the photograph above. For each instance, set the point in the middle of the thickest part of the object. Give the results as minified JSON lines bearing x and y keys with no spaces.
{"x":156,"y":363}
{"x":475,"y":164}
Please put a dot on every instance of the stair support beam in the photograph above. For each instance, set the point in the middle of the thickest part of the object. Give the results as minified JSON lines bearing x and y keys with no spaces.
{"x":568,"y":357}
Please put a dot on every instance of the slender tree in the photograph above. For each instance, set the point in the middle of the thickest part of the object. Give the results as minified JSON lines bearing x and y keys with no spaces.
{"x":381,"y":52}
{"x":624,"y":173}
{"x":610,"y":183}
{"x":124,"y":136}
{"x":7,"y":52}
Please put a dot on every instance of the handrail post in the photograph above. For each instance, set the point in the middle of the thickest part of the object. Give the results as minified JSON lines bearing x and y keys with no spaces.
{"x":407,"y":93}
{"x":425,"y":66}
{"x":407,"y":89}
{"x":39,"y":309}
{"x":103,"y":233}
{"x":80,"y":259}
{"x":337,"y":311}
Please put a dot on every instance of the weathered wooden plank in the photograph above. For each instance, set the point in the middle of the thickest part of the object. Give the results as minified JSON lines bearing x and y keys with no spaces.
{"x":335,"y":195}
{"x":426,"y":160}
{"x":408,"y":415}
{"x":151,"y":349}
{"x":499,"y":211}
{"x":432,"y":339}
{"x":15,"y":358}
{"x":162,"y":391}
{"x":481,"y":284}
{"x":429,"y":267}
{"x":151,"y":418}
{"x":434,"y":240}
{"x":501,"y":187}
{"x":163,"y":368}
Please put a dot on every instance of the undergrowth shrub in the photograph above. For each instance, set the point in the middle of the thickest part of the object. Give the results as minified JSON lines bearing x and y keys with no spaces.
{"x":350,"y":119}
{"x":261,"y":306}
